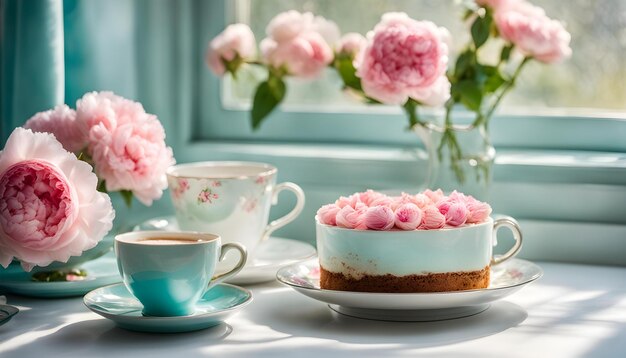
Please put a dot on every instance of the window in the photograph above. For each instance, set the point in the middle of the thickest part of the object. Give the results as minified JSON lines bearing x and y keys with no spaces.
{"x":571,"y":93}
{"x":591,"y":78}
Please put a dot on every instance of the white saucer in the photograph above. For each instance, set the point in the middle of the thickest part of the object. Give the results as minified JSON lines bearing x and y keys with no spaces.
{"x":506,"y":279}
{"x":117,"y":304}
{"x":100,"y":272}
{"x":269,"y":256}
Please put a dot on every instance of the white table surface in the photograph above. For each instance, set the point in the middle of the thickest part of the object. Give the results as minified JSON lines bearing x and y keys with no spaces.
{"x":573,"y":311}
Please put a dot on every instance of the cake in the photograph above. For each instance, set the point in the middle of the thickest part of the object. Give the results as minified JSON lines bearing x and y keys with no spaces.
{"x":428,"y":242}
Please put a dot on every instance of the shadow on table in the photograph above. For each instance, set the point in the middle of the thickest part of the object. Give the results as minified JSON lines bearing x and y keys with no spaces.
{"x":320,"y":322}
{"x":101,"y":335}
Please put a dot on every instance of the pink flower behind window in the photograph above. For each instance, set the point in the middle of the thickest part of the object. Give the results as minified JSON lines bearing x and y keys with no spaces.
{"x":49,"y":206}
{"x":237,"y":40}
{"x":300,"y":43}
{"x":404,"y":58}
{"x":533,"y":33}
{"x":351,"y":44}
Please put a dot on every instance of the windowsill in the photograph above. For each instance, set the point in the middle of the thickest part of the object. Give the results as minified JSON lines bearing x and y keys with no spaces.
{"x":529,"y":165}
{"x":564,"y":198}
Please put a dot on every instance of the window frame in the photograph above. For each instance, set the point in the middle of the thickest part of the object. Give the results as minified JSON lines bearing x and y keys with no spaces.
{"x":558,"y":128}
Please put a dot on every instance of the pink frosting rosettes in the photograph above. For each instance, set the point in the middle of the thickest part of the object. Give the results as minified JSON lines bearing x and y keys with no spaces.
{"x":428,"y":210}
{"x":351,"y":218}
{"x":408,"y":216}
{"x":379,"y":218}
{"x":327,"y":214}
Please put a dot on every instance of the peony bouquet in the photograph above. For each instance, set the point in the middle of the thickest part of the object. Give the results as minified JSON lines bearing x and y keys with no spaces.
{"x":402,"y":61}
{"x":125,"y":145}
{"x":54,"y":175}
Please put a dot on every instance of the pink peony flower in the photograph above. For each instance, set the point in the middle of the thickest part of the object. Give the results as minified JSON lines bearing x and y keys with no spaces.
{"x":351,"y":218}
{"x":304,"y":56}
{"x":126,"y":144}
{"x":455,"y":212}
{"x":435,"y":95}
{"x":495,"y":4}
{"x":300,"y":43}
{"x":49,"y":206}
{"x":351,"y":44}
{"x":60,"y":121}
{"x":533,"y":33}
{"x":237,"y":40}
{"x":328,"y":29}
{"x":289,"y":24}
{"x":379,"y":218}
{"x":408,"y":217}
{"x":403,"y":58}
{"x":432,"y":219}
{"x":327,"y":214}
{"x":478,"y":211}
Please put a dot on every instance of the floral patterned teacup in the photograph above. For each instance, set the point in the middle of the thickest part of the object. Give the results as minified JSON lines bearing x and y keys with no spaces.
{"x":230,"y":199}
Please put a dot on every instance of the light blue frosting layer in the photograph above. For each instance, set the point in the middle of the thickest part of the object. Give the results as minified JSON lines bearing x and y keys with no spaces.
{"x":366,"y":252}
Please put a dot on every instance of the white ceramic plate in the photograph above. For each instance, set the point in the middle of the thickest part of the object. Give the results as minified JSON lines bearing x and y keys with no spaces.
{"x":506,"y":279}
{"x":100,"y":272}
{"x":270,"y":256}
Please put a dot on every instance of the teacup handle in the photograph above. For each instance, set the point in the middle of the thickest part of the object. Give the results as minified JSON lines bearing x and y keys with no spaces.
{"x":512,"y":225}
{"x":292,"y":215}
{"x":235,"y":270}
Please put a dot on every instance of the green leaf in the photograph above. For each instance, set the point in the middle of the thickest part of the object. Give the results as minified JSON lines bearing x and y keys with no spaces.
{"x":468,"y":13}
{"x":506,"y":53}
{"x":233,"y":65}
{"x":345,"y":67}
{"x":102,"y":187}
{"x":494,"y":82}
{"x":267,"y":96}
{"x":464,"y":63}
{"x":127,"y":195}
{"x":480,"y":30}
{"x":469,"y":94}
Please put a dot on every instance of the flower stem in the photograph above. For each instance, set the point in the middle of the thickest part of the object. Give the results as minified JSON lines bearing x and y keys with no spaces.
{"x":410,"y":107}
{"x":508,"y":86}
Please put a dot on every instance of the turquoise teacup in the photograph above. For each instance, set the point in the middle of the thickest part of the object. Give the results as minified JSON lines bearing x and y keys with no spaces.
{"x":168,"y":272}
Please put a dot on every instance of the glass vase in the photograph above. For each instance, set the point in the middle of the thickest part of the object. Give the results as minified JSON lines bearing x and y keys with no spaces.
{"x":460,"y":157}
